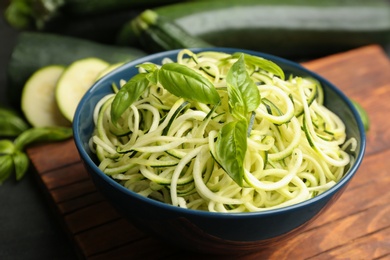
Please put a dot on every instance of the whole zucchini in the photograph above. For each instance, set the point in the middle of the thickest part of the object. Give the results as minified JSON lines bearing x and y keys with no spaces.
{"x":35,"y":50}
{"x":27,"y":14}
{"x":291,"y":28}
{"x":101,"y":28}
{"x":154,"y":33}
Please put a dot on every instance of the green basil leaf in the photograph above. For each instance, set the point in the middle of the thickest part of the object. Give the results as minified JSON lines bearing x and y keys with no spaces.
{"x":230,"y":149}
{"x":6,"y":167}
{"x":263,"y":64}
{"x":184,"y":82}
{"x":6,"y":147}
{"x":11,"y":124}
{"x":244,"y":96}
{"x":127,"y":94}
{"x":21,"y":163}
{"x":42,"y":134}
{"x":237,"y":104}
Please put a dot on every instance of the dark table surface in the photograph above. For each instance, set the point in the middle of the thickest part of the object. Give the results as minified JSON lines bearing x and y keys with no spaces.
{"x":28,"y":227}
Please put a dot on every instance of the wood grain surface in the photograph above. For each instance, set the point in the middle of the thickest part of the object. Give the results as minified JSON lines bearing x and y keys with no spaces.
{"x":357,"y":226}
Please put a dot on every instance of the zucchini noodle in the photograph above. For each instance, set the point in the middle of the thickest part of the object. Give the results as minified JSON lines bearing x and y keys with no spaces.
{"x":163,"y":146}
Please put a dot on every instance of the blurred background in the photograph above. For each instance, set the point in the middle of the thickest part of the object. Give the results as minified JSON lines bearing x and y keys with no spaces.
{"x":28,"y":227}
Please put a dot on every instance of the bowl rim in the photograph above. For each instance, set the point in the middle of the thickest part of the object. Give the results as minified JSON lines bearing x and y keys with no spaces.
{"x":184,"y":211}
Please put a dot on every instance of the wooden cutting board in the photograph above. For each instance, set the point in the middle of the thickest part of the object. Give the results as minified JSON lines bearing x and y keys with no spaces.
{"x":357,"y":226}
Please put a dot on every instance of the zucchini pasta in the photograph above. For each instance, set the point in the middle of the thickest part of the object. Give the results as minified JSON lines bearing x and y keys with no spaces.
{"x":247,"y":139}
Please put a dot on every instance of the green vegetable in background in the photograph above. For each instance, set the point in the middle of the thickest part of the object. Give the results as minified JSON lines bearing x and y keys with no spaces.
{"x":13,"y":159}
{"x":294,"y":29}
{"x":11,"y":124}
{"x":155,"y":33}
{"x":21,"y":163}
{"x":35,"y":14}
{"x":42,"y":134}
{"x":6,"y":167}
{"x":6,"y":146}
{"x":34,"y":50}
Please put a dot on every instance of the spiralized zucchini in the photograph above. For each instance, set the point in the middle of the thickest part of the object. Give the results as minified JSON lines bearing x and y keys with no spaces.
{"x":163,"y":146}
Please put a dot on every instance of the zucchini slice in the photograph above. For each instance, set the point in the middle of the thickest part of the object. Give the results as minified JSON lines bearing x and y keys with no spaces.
{"x":38,"y":101}
{"x":75,"y":81}
{"x":34,"y":50}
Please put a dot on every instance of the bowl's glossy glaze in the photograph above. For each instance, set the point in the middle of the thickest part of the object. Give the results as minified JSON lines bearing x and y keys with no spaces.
{"x":218,"y":233}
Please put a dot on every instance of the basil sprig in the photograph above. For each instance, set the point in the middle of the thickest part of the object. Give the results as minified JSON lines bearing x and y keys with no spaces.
{"x":182,"y":81}
{"x":18,"y":134}
{"x":244,"y":98}
{"x":13,"y":159}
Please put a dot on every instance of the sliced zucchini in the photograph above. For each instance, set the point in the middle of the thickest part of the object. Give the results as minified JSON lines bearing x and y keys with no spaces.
{"x":75,"y":81}
{"x":38,"y":100}
{"x":174,"y":116}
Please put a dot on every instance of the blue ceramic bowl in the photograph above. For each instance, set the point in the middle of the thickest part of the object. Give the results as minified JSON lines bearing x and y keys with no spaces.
{"x":218,"y":233}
